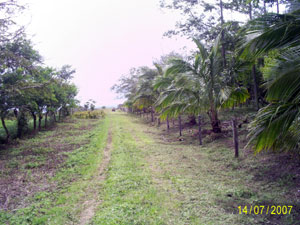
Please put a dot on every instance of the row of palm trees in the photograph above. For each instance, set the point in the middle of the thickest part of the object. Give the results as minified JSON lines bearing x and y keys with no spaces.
{"x":203,"y":85}
{"x":187,"y":87}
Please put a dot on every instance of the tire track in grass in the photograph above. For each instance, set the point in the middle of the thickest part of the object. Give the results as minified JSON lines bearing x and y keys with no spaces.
{"x":91,"y":205}
{"x":129,"y":195}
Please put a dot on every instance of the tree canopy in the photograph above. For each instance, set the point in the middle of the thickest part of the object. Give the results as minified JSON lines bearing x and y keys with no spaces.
{"x":27,"y":86}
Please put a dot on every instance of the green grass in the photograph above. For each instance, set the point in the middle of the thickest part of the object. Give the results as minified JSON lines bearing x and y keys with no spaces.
{"x":197,"y":185}
{"x":12,"y":128}
{"x":152,"y":178}
{"x":73,"y":181}
{"x":129,"y":196}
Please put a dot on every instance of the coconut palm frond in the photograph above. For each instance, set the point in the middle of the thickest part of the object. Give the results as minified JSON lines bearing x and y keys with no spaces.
{"x":272,"y":124}
{"x":272,"y":31}
{"x":233,"y":97}
{"x":284,"y":83}
{"x":179,"y":66}
{"x":159,"y":69}
{"x":202,"y":50}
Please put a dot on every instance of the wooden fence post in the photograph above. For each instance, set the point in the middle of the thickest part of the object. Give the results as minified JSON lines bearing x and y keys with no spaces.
{"x":168,"y":125}
{"x":235,"y":138}
{"x":180,"y":128}
{"x":152,"y":115}
{"x":199,"y":129}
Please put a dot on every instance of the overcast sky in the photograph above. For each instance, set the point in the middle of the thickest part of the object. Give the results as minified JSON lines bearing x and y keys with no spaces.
{"x":101,"y":39}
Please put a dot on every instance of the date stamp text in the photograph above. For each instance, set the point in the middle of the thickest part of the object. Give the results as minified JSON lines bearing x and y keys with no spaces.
{"x":266,"y":210}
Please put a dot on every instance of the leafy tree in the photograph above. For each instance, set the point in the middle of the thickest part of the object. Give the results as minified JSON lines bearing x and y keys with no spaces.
{"x":127,"y":87}
{"x":27,"y":88}
{"x":17,"y":60}
{"x":9,"y":29}
{"x":92,"y":104}
{"x":86,"y":106}
{"x":66,"y":91}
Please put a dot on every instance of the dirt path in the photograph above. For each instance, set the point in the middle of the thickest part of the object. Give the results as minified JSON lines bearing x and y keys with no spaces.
{"x":91,"y":205}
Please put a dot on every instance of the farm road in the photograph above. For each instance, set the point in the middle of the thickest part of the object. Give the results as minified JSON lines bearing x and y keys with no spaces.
{"x":153,"y":180}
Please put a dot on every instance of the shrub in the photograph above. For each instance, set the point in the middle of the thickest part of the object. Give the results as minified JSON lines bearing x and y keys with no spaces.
{"x":96,"y":114}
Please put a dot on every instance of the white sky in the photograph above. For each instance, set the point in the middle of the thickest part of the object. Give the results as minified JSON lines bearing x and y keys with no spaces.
{"x":101,"y":39}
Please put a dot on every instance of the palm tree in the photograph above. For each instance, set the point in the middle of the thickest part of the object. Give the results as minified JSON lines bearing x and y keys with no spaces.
{"x":180,"y":96}
{"x":146,"y":96}
{"x":196,"y":86}
{"x":277,"y":124}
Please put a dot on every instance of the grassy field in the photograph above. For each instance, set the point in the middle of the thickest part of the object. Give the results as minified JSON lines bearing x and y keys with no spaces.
{"x":124,"y":170}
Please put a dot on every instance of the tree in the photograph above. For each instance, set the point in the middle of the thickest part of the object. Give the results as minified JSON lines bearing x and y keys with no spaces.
{"x":201,"y":82}
{"x":9,"y":29}
{"x":90,"y":104}
{"x":127,"y":87}
{"x":204,"y":20}
{"x":179,"y":95}
{"x":18,"y":59}
{"x":146,"y":95}
{"x":276,"y":125}
{"x":25,"y":86}
{"x":92,"y":107}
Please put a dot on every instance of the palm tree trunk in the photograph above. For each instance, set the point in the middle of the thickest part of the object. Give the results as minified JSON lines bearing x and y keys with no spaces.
{"x":277,"y":6}
{"x":168,"y":124}
{"x":213,"y":114}
{"x":255,"y":88}
{"x":152,"y":115}
{"x":199,"y":130}
{"x":215,"y":123}
{"x":5,"y":128}
{"x":180,"y":128}
{"x":222,"y":34}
